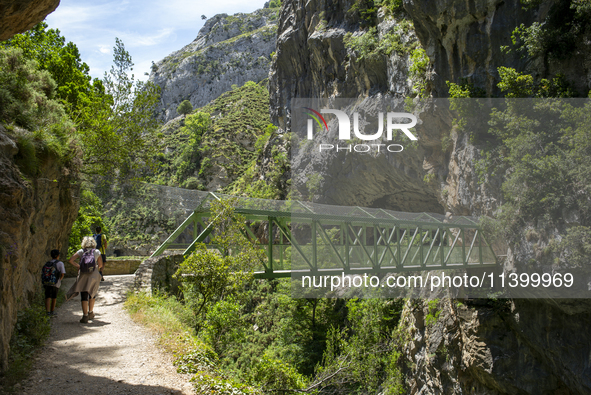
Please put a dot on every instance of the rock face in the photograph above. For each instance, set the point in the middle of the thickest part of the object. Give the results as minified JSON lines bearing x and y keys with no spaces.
{"x":36,"y":216}
{"x":17,"y":16}
{"x":229,"y":50}
{"x":522,"y":346}
{"x":314,"y":60}
{"x":497,"y":347}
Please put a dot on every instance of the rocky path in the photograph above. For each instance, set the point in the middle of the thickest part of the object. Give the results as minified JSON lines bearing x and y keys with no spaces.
{"x":109,"y":355}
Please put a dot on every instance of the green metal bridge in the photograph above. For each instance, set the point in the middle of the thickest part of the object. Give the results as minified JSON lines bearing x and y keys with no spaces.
{"x":307,"y":238}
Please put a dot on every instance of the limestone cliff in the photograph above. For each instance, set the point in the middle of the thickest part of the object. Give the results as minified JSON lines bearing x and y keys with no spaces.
{"x":17,"y":16}
{"x":516,"y":347}
{"x":229,"y":50}
{"x":36,"y":215}
{"x":317,"y":56}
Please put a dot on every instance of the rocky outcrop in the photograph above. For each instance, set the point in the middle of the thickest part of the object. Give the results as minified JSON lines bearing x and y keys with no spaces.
{"x":36,"y":215}
{"x":496,"y":347}
{"x":17,"y":16}
{"x":229,"y":50}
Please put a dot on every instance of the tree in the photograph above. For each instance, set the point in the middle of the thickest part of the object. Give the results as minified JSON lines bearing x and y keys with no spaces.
{"x":203,"y":17}
{"x":62,"y":60}
{"x":114,"y":123}
{"x":117,"y":126}
{"x":189,"y":161}
{"x":210,"y":276}
{"x":185,"y":107}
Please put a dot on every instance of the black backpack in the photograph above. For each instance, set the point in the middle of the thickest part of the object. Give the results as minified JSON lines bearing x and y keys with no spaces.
{"x":49,"y":273}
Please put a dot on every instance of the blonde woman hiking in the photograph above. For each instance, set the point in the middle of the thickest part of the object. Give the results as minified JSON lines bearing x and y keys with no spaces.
{"x":89,"y":278}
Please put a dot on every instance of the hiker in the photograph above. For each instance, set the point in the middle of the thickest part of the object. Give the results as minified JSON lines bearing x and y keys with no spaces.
{"x":89,"y":278}
{"x":101,"y":245}
{"x":52,"y":274}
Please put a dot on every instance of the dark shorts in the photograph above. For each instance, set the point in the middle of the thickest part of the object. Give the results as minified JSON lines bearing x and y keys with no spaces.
{"x":50,"y":291}
{"x":84,"y":296}
{"x":104,"y":257}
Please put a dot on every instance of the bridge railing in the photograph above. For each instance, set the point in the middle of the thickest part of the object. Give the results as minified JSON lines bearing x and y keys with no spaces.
{"x":306,"y":237}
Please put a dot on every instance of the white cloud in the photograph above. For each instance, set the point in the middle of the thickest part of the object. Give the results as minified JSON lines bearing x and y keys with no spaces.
{"x":104,"y":49}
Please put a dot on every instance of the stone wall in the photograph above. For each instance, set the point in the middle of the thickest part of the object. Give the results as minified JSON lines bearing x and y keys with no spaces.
{"x":121,"y":266}
{"x":156,"y":273}
{"x":112,"y":267}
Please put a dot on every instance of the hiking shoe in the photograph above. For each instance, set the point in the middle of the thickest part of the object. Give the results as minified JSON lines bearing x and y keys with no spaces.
{"x":84,"y":319}
{"x":49,"y":313}
{"x":53,"y":314}
{"x":90,"y":315}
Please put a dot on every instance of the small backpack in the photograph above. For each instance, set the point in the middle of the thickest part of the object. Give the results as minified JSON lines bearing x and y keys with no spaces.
{"x":99,"y":241}
{"x":87,"y":262}
{"x":49,"y":273}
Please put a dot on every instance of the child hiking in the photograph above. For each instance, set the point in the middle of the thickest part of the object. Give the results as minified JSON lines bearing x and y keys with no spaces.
{"x":88,"y":280}
{"x":52,"y":274}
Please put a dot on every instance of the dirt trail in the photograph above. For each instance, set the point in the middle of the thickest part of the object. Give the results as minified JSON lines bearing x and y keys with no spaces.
{"x":109,"y":355}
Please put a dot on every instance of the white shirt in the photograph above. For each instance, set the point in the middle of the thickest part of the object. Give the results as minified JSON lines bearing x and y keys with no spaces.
{"x":61,"y":268}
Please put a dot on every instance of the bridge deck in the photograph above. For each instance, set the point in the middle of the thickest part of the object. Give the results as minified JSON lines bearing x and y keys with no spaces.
{"x":309,"y":238}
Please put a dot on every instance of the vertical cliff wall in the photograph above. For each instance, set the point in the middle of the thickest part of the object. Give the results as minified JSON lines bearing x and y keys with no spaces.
{"x":512,"y":347}
{"x":321,"y":54}
{"x":36,"y":215}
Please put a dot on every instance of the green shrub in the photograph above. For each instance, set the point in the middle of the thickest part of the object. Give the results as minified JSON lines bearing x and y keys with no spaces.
{"x":30,"y":332}
{"x":433,"y":312}
{"x":418,"y":70}
{"x":192,"y":183}
{"x":275,"y":4}
{"x":273,"y":374}
{"x":185,"y":107}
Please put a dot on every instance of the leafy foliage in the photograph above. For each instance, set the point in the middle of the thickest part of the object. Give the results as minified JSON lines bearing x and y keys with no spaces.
{"x":60,"y":59}
{"x":89,"y":217}
{"x":274,"y":183}
{"x":111,"y":119}
{"x":135,"y":216}
{"x":366,"y":11}
{"x":418,"y":71}
{"x":119,"y":130}
{"x":185,"y":107}
{"x":26,"y":93}
{"x":369,"y":45}
{"x":30,"y":332}
{"x":27,"y":100}
{"x":215,"y":137}
{"x":557,"y":37}
{"x":541,"y":150}
{"x":362,"y":357}
{"x":210,"y":276}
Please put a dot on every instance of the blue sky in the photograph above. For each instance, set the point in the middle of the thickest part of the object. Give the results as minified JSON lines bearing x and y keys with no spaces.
{"x":149,"y":29}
